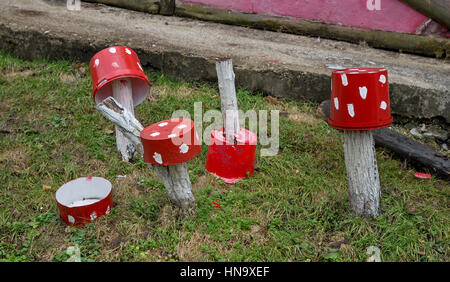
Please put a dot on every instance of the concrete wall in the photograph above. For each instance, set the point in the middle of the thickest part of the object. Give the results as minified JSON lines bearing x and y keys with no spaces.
{"x":393,"y":15}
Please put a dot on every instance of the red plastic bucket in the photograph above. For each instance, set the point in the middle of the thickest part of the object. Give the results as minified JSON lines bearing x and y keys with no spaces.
{"x":232,"y":162}
{"x":84,"y":199}
{"x":115,"y":63}
{"x":170,"y":142}
{"x":360,"y":99}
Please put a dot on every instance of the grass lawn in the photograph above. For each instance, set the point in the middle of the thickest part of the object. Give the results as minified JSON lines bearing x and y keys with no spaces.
{"x":51,"y":133}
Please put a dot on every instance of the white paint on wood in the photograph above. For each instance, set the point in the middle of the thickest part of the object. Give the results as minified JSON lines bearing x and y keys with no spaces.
{"x":362,"y":172}
{"x":124,"y":120}
{"x":228,"y":99}
{"x":122,"y":92}
{"x":175,"y":177}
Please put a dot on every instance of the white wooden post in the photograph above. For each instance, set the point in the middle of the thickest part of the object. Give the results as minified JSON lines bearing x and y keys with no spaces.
{"x":174,"y":177}
{"x":362,"y":172}
{"x":230,"y":114}
{"x":122,"y":92}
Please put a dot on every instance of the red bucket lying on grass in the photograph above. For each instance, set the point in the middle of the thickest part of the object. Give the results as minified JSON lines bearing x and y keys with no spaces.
{"x":114,"y":63}
{"x":232,"y":162}
{"x":84,"y":199}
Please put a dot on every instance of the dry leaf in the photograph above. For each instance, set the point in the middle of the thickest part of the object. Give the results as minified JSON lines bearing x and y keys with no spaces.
{"x":46,"y":187}
{"x":272,"y":100}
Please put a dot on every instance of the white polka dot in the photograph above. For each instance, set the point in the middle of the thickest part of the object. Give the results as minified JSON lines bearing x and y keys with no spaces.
{"x":154,"y":134}
{"x":71,"y":219}
{"x":172,"y":135}
{"x":351,"y":110}
{"x":93,"y":215}
{"x":128,"y":51}
{"x":163,"y":124}
{"x":354,"y":72}
{"x":181,"y":126}
{"x":112,"y":50}
{"x":157,"y":158}
{"x":363,"y":92}
{"x":97,"y":62}
{"x":139,"y":65}
{"x":336,"y":103}
{"x":383,"y":105}
{"x":344,"y":79}
{"x":184,"y":148}
{"x":116,"y":65}
{"x":382,"y":79}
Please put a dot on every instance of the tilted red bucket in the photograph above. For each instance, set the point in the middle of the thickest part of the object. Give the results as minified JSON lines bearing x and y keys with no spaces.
{"x":114,"y":63}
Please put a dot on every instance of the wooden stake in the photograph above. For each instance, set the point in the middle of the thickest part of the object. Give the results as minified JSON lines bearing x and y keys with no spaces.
{"x":122,"y":92}
{"x":175,"y":177}
{"x":230,"y":114}
{"x":438,"y":10}
{"x":362,"y":172}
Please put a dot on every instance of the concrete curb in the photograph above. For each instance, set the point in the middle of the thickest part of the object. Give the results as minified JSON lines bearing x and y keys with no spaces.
{"x":427,"y":99}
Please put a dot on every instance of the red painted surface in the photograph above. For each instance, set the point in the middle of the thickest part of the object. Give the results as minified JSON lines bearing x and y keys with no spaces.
{"x":170,"y":142}
{"x":232,"y":162}
{"x":360,"y":99}
{"x":80,"y":189}
{"x":117,"y":62}
{"x":393,"y":15}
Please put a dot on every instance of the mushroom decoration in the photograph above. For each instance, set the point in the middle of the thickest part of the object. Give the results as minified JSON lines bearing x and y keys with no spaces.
{"x":231,"y":153}
{"x":84,"y":199}
{"x":116,"y":71}
{"x":168,"y":145}
{"x":360,"y":103}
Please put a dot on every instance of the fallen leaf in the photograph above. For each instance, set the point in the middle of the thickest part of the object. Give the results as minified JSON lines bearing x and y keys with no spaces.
{"x":46,"y":187}
{"x":271,"y":99}
{"x":422,"y":175}
{"x":108,"y":131}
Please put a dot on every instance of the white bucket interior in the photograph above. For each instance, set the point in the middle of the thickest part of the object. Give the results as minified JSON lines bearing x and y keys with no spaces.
{"x":139,"y":86}
{"x":83,"y":191}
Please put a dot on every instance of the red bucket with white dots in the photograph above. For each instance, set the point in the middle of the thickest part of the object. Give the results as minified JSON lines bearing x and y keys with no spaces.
{"x":114,"y":63}
{"x":170,"y":142}
{"x":84,"y":199}
{"x":360,"y":99}
{"x":232,"y":162}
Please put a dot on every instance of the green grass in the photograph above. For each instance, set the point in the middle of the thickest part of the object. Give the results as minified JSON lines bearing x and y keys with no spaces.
{"x":51,"y":133}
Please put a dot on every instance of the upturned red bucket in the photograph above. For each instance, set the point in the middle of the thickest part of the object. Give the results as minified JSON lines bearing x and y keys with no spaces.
{"x":117,"y":62}
{"x":360,"y":99}
{"x":84,"y":199}
{"x":170,"y":142}
{"x":232,"y":162}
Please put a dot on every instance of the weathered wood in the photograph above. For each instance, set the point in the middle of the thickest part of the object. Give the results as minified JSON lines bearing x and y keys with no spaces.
{"x":167,"y":7}
{"x":420,"y":156}
{"x":438,"y":10}
{"x":362,"y":173}
{"x":178,"y":185}
{"x":122,"y":92}
{"x":409,"y":43}
{"x":124,"y":120}
{"x":175,"y":178}
{"x":148,"y":6}
{"x":228,"y":99}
